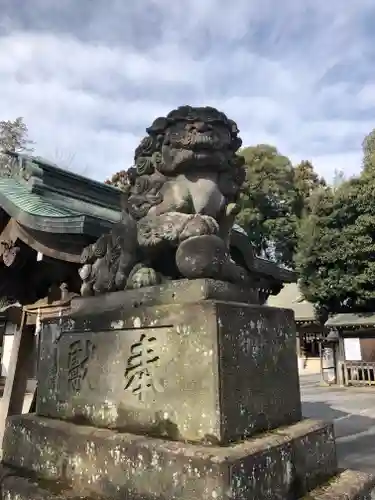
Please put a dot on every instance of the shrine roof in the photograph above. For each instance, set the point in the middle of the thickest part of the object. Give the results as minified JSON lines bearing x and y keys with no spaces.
{"x":352,"y":320}
{"x":16,"y":194}
{"x":42,"y":196}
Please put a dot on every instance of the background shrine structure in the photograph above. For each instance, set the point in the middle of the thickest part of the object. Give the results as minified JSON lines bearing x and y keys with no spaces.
{"x":352,"y":341}
{"x":310,"y":331}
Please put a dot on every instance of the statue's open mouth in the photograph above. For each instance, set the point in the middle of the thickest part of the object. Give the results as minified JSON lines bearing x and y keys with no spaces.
{"x":198,"y":141}
{"x":197,"y":158}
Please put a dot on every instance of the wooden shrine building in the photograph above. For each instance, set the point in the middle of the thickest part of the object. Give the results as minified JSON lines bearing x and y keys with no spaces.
{"x":355,"y":347}
{"x":310,"y":331}
{"x":47,"y":216}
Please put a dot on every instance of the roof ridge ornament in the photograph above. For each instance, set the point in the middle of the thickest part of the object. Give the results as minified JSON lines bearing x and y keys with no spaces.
{"x":26,"y":169}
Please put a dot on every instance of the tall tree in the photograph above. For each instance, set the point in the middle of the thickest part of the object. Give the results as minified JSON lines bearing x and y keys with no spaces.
{"x":368,"y":148}
{"x":315,"y":243}
{"x":13,"y":138}
{"x":274,"y":199}
{"x":306,"y":182}
{"x":338,"y":179}
{"x":336,"y":258}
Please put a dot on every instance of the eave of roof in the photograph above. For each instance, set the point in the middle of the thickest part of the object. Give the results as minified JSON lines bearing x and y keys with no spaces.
{"x":43,"y":197}
{"x":351,"y":320}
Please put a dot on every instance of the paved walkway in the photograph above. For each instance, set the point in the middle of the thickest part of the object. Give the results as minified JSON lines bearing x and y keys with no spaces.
{"x":353,"y":413}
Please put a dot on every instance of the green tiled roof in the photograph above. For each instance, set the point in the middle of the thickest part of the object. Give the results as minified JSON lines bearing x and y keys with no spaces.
{"x":43,"y":197}
{"x":12,"y":191}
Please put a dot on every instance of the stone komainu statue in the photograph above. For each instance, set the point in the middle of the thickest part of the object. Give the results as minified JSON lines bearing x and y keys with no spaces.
{"x":179,"y":209}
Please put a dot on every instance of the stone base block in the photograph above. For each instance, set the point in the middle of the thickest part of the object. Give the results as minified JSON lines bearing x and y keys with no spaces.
{"x":172,"y":292}
{"x":16,"y":487}
{"x":282,"y":465}
{"x":349,"y":485}
{"x":208,"y":372}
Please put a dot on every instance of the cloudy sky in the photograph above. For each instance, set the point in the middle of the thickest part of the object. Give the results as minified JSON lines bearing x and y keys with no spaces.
{"x":89,"y":75}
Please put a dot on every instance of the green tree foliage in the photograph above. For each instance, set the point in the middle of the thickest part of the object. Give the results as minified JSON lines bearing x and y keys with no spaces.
{"x":13,"y":138}
{"x":368,"y":148}
{"x":336,"y":254}
{"x":306,"y":181}
{"x":338,"y":179}
{"x":314,"y":246}
{"x":274,"y":199}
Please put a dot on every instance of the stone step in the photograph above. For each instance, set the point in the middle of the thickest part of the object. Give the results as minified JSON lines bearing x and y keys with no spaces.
{"x":16,"y":487}
{"x":282,"y":465}
{"x":348,"y":485}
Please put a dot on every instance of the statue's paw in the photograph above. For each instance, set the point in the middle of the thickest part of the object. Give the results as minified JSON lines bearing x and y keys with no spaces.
{"x":151,"y":235}
{"x":155,"y":230}
{"x":199,"y":225}
{"x":211,"y":224}
{"x":144,"y":276}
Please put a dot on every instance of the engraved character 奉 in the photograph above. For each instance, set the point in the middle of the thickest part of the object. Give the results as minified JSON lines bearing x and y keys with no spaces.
{"x":139,"y":376}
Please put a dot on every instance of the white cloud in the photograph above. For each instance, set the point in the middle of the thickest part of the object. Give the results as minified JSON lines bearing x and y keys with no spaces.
{"x":88,"y":81}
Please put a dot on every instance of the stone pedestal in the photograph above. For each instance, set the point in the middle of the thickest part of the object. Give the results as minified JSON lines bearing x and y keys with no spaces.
{"x":162,"y":395}
{"x":203,"y":372}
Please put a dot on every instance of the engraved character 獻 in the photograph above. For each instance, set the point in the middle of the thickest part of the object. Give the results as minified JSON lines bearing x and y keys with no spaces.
{"x":139,"y":376}
{"x":79,"y":355}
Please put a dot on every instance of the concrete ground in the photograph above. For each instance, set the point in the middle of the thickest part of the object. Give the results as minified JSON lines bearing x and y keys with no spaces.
{"x":353,"y":412}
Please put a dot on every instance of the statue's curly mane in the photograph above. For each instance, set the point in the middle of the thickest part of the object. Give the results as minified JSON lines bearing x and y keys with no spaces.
{"x":150,"y":173}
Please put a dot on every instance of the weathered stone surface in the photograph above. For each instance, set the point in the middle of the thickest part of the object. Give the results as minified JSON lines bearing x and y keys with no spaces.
{"x":119,"y":466}
{"x":172,"y":292}
{"x":16,"y":487}
{"x":210,"y":371}
{"x":311,"y":444}
{"x":349,"y":485}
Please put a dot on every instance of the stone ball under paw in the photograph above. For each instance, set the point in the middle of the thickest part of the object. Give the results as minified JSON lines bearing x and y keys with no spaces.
{"x":202,"y":257}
